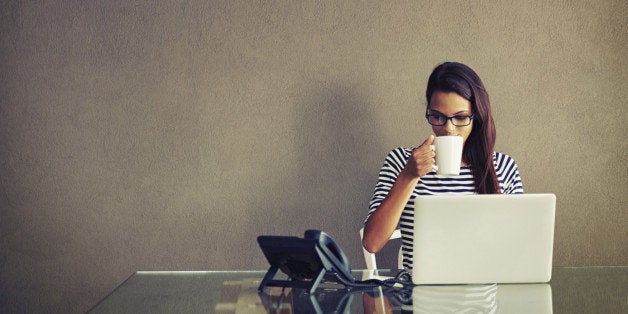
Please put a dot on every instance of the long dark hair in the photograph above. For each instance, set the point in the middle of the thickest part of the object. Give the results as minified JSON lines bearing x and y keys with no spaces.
{"x":478,"y":149}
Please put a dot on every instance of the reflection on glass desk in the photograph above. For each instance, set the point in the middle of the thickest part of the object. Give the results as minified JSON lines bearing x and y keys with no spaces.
{"x":571,"y":290}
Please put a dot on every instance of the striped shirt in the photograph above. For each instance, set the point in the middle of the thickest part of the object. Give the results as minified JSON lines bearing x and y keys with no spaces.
{"x":433,"y":184}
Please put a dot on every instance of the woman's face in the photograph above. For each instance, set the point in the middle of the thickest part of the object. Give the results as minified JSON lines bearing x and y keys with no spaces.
{"x":450,"y":105}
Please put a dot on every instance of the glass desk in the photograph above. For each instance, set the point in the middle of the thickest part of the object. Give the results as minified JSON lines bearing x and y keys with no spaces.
{"x":571,"y":290}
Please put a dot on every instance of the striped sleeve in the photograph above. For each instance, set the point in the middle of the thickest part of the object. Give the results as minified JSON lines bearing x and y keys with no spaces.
{"x":508,"y":174}
{"x":393,"y":164}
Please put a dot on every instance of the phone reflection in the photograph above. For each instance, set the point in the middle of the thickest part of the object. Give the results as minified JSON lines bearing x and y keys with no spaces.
{"x":302,"y":301}
{"x":492,"y":298}
{"x":243,"y":297}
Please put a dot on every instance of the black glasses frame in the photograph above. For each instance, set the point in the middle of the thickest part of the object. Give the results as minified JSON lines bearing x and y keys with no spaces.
{"x":427,"y":116}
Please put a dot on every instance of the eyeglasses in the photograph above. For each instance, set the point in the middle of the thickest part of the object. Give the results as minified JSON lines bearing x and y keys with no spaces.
{"x":438,"y":119}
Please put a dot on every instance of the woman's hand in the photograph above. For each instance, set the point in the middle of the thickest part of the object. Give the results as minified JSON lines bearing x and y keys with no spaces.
{"x":422,"y":159}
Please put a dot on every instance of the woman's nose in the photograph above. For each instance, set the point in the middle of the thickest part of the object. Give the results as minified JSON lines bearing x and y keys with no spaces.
{"x":450,"y":127}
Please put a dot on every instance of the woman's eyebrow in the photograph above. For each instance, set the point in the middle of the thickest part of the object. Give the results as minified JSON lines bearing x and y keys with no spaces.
{"x":463,"y":111}
{"x":457,"y":113}
{"x":434,"y":111}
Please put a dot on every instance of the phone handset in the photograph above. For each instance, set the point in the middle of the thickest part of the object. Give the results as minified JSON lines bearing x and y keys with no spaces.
{"x":336,"y":258}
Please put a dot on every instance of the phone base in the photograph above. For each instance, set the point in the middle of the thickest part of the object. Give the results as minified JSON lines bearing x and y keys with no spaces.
{"x":310,"y":285}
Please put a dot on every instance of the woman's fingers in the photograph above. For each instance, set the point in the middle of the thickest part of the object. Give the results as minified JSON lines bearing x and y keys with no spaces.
{"x":422,"y":159}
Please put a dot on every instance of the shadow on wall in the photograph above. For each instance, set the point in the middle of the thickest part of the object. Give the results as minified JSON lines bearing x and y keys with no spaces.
{"x":336,"y":150}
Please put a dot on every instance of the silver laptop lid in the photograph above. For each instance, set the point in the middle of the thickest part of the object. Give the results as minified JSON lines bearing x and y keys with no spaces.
{"x":467,"y":239}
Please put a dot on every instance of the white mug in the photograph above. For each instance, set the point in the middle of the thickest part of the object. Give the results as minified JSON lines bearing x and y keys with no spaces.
{"x":448,"y":151}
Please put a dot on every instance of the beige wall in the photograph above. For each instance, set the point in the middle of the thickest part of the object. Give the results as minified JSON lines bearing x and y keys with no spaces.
{"x":163,"y":136}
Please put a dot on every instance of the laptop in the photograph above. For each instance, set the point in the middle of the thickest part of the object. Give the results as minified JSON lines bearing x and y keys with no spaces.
{"x":478,"y":239}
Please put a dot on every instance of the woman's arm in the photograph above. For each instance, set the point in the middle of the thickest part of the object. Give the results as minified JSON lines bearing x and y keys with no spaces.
{"x":383,"y":221}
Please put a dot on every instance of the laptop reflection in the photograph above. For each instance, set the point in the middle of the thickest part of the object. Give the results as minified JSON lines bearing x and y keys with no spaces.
{"x":493,"y":298}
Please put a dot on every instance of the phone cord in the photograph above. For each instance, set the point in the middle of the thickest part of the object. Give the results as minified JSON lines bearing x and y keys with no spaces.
{"x":403,"y":278}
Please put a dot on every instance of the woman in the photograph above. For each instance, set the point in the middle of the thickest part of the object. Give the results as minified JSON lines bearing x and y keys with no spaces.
{"x":457,"y":104}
